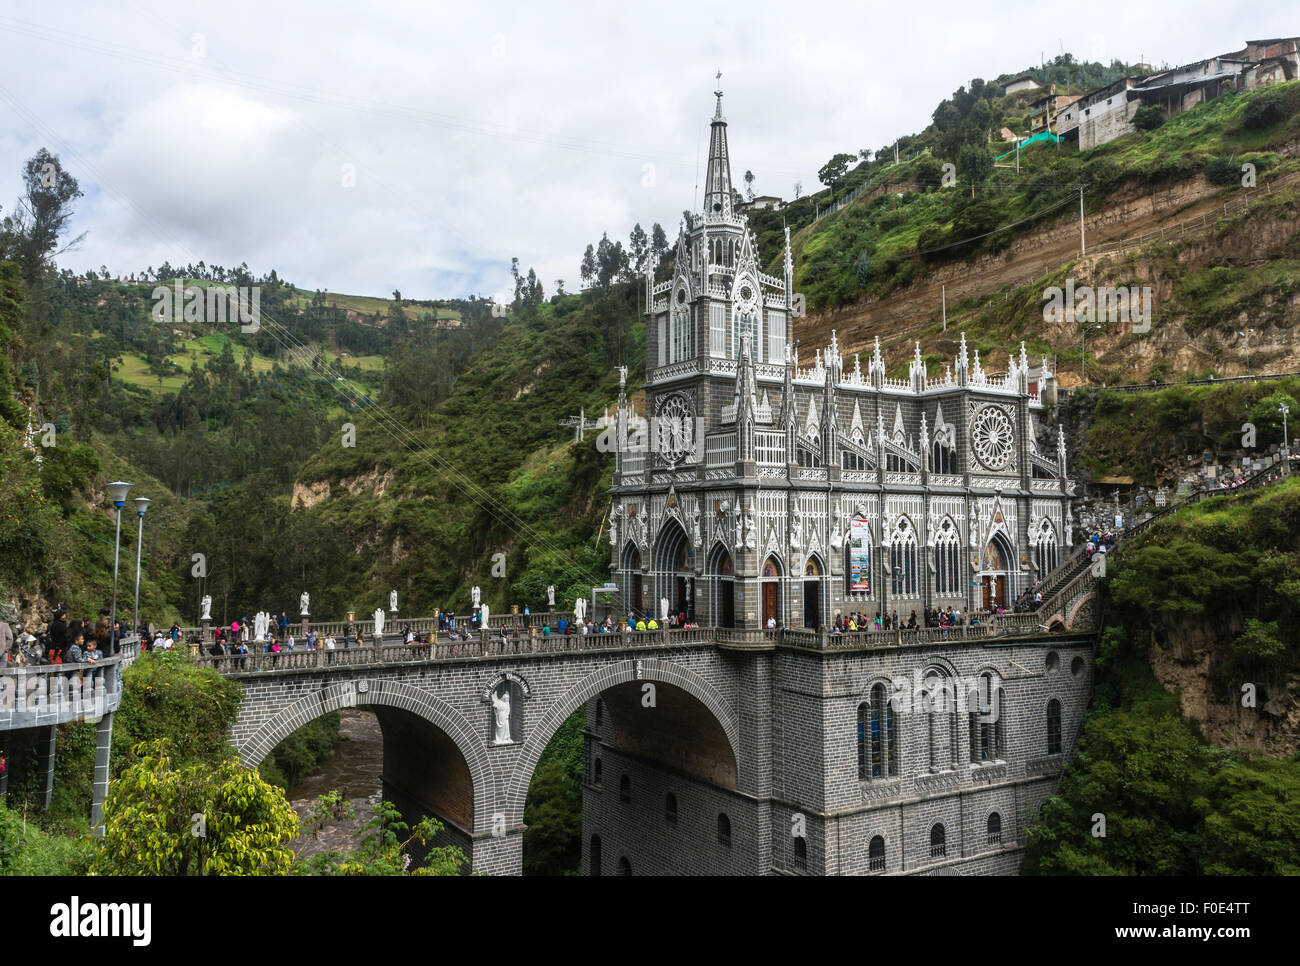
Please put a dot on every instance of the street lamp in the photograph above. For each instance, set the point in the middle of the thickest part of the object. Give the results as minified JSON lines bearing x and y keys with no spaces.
{"x":1083,"y":353}
{"x":117,"y":494}
{"x":1283,"y":408}
{"x":1246,"y":335}
{"x":141,"y":504}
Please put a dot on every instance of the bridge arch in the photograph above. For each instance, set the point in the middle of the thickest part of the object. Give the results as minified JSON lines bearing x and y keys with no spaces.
{"x":651,"y":669}
{"x":391,"y":694}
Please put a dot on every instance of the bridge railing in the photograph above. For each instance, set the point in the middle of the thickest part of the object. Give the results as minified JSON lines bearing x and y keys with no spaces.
{"x":58,"y":693}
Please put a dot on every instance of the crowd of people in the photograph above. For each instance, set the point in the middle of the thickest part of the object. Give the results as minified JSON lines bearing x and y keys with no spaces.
{"x":65,"y":641}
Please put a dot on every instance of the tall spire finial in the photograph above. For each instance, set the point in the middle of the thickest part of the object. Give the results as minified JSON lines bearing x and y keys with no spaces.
{"x":717,"y":116}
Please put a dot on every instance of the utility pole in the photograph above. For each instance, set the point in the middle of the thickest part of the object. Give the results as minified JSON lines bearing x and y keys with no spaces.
{"x":1083,"y":246}
{"x":943,"y":293}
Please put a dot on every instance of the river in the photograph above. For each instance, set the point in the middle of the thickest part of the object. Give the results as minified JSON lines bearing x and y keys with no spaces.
{"x":354,"y":769}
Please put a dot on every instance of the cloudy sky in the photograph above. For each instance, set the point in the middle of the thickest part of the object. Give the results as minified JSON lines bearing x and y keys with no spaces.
{"x":418,"y":146}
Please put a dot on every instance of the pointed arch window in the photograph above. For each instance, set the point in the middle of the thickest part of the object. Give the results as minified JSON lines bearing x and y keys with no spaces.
{"x":683,"y":346}
{"x":943,"y":451}
{"x":987,"y":714}
{"x":947,"y":558}
{"x":1046,"y":552}
{"x":903,"y":560}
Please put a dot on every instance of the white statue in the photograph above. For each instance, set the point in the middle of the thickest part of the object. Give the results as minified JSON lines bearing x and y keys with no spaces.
{"x":483,"y":617}
{"x":663,"y":610}
{"x":751,"y":539}
{"x":303,"y":602}
{"x":261,"y":621}
{"x":550,"y":596}
{"x":379,"y":622}
{"x":477,"y":595}
{"x":580,"y":610}
{"x":613,"y":526}
{"x":695,"y":525}
{"x":392,"y":601}
{"x":501,"y":716}
{"x":206,"y":604}
{"x":796,"y":527}
{"x":740,"y":533}
{"x":837,"y":533}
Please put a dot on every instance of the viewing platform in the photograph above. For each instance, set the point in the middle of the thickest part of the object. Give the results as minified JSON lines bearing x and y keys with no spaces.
{"x":55,"y":694}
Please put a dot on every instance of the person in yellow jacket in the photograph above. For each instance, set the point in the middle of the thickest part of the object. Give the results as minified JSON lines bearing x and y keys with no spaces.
{"x":640,"y":624}
{"x":653,"y":625}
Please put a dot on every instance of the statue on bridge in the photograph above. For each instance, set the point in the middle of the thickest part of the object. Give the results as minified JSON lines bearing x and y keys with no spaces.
{"x":261,"y":623}
{"x":206,"y":604}
{"x":379,"y":622}
{"x":392,"y":601}
{"x":580,"y":610}
{"x":550,"y":595}
{"x":303,"y":603}
{"x":501,"y":715}
{"x":483,"y":617}
{"x":476,"y":595}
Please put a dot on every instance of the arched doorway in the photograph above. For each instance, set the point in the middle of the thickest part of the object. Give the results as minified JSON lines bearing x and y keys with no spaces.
{"x":770,"y":589}
{"x":996,"y":573}
{"x":632,"y":598}
{"x":674,"y":572}
{"x":722,"y":587}
{"x":813,"y":571}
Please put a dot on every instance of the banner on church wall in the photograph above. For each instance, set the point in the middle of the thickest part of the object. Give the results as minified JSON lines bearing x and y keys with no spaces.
{"x":859,"y":575}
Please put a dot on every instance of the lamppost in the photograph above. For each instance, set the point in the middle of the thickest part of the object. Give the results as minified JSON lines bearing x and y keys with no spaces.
{"x":1083,"y":353}
{"x":117,"y":493}
{"x":1283,"y":408}
{"x":1246,"y":335}
{"x":141,"y":504}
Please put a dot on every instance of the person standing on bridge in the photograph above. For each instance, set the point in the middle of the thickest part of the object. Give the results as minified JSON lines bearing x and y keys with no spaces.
{"x":283,"y":621}
{"x":348,"y":630}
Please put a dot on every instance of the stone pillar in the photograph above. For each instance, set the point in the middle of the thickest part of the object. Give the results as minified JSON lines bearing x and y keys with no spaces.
{"x":499,"y":854}
{"x":47,"y":766}
{"x":103,"y":744}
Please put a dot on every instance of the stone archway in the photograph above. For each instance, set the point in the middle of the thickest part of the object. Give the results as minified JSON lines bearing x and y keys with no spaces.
{"x":651,"y":669}
{"x":392,"y":694}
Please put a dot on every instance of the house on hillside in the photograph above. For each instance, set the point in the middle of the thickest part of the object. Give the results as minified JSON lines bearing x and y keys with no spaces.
{"x":1107,"y":113}
{"x":1043,"y":111}
{"x":763,"y":203}
{"x":1025,"y":83}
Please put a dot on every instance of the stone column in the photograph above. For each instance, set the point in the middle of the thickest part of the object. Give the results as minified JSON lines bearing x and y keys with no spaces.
{"x":103,"y":744}
{"x":499,"y":854}
{"x":47,"y":766}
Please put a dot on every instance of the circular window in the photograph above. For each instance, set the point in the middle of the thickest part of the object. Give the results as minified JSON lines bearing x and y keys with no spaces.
{"x":746,"y":292}
{"x":1053,"y":660}
{"x":992,"y":437}
{"x":681,"y":296}
{"x":1076,"y":666}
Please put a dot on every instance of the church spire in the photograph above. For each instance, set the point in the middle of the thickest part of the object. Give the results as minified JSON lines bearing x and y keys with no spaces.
{"x":717,"y":181}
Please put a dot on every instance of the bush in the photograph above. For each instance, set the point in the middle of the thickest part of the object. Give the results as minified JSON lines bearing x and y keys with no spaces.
{"x":1148,"y":117}
{"x":1269,"y":107}
{"x":1222,"y":171}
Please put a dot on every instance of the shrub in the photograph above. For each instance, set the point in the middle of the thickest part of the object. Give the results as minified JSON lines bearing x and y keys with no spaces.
{"x":1222,"y":171}
{"x":1148,"y":118}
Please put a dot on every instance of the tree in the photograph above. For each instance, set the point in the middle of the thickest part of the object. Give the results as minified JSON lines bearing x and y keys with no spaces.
{"x":974,"y":163}
{"x":835,"y":169}
{"x":749,"y":185}
{"x":197,"y":819}
{"x":798,"y":190}
{"x":639,"y":247}
{"x":588,"y":270}
{"x":32,"y":232}
{"x":862,"y":269}
{"x":384,"y":847}
{"x":1148,"y":117}
{"x":658,"y":242}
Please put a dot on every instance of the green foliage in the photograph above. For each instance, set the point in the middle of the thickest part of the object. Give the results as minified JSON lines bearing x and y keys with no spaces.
{"x":27,"y":849}
{"x":553,"y":809}
{"x":1148,"y":117}
{"x":834,"y":170}
{"x":384,"y":847}
{"x":199,"y":819}
{"x":300,"y":753}
{"x":1271,"y":106}
{"x":1228,"y":573}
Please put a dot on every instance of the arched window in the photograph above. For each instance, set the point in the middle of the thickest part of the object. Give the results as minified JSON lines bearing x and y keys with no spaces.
{"x":995,"y":829}
{"x":938,"y":704}
{"x":624,"y":866}
{"x":984,"y":705}
{"x":1045,"y":548}
{"x":938,"y":841}
{"x":947,"y":558}
{"x":670,"y":809}
{"x":1053,"y":727}
{"x":800,"y":853}
{"x":682,"y":347}
{"x":878,"y":736}
{"x":625,"y":789}
{"x":876,"y":854}
{"x":724,"y":829}
{"x":902,"y":559}
{"x":595,"y":855}
{"x":943,"y":451}
{"x":599,"y":769}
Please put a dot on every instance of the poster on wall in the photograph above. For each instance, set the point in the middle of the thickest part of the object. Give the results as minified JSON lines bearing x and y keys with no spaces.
{"x":859,"y":573}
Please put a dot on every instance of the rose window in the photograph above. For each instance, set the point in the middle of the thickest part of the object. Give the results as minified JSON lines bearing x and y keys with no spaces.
{"x":992,"y":437}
